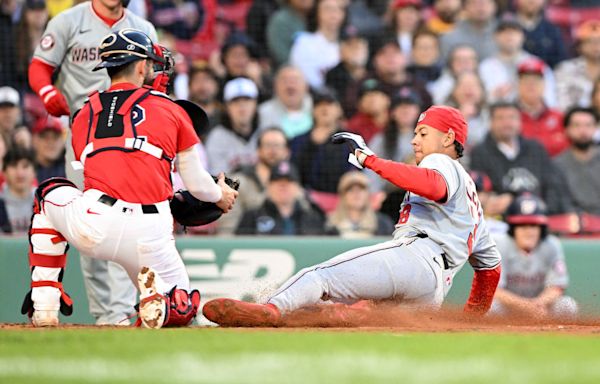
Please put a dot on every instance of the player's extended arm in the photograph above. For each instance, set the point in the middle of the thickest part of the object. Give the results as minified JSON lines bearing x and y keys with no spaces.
{"x":195,"y":178}
{"x":422,"y":181}
{"x":40,"y":80}
{"x":483,"y":288}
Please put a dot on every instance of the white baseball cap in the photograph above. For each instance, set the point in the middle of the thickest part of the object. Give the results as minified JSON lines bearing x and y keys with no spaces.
{"x":9,"y":95}
{"x":240,"y":87}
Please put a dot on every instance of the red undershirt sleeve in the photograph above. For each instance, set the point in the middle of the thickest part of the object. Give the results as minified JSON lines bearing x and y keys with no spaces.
{"x":40,"y":75}
{"x":424,"y":182}
{"x":483,"y":290}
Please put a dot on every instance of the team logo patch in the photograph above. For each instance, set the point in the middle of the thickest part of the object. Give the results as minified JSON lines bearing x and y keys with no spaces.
{"x":47,"y":42}
{"x":421,"y":117}
{"x":130,"y":47}
{"x":528,"y":207}
{"x":138,"y":115}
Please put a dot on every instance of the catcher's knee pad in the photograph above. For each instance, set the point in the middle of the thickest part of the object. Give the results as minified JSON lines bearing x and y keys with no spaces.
{"x":46,"y":187}
{"x":182,"y":307}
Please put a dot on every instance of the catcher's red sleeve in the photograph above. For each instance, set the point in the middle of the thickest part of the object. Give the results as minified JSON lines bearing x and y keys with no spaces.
{"x":40,"y":75}
{"x":421,"y":181}
{"x":482,"y":290}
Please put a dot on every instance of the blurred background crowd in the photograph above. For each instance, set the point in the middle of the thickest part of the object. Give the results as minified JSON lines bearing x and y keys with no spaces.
{"x":279,"y":77}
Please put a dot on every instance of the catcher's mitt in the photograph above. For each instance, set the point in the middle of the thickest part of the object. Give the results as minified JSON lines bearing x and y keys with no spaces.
{"x":191,"y":212}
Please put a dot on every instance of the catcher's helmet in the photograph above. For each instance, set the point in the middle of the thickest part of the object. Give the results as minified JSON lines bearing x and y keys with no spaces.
{"x":126,"y":46}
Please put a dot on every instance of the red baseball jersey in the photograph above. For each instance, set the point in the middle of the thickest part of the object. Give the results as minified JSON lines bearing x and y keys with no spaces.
{"x":128,"y":174}
{"x":547,"y":128}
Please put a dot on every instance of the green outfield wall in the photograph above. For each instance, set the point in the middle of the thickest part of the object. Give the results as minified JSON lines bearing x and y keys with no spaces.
{"x":251,"y":268}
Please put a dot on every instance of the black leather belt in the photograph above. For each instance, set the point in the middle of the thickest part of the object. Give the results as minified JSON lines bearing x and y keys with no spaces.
{"x":444,"y":257}
{"x":110,"y":201}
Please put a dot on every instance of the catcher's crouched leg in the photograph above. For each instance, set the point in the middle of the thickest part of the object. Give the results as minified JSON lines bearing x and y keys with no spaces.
{"x":177,"y":308}
{"x":47,"y":260}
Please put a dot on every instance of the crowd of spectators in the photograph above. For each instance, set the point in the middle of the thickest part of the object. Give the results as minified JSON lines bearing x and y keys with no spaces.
{"x":278,"y":77}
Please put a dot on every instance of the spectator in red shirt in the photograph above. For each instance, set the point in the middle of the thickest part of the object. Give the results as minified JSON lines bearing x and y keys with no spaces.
{"x":538,"y":121}
{"x":373,"y":106}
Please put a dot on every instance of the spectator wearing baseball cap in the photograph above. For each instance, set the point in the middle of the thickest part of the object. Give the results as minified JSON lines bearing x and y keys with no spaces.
{"x":405,"y":19}
{"x":373,"y":106}
{"x":354,"y":217}
{"x":282,"y":213}
{"x":49,"y":146}
{"x":316,"y":51}
{"x":321,"y":163}
{"x":291,"y":105}
{"x":499,"y":71}
{"x":446,"y":13}
{"x":233,"y":142}
{"x":10,"y":110}
{"x":352,"y":69}
{"x":538,"y":121}
{"x":542,"y":38}
{"x":575,"y":77}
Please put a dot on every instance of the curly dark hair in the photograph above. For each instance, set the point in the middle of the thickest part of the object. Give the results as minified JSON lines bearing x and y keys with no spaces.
{"x":460,"y":149}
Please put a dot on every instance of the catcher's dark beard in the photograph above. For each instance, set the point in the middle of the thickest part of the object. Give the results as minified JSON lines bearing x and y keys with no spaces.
{"x":583,"y":145}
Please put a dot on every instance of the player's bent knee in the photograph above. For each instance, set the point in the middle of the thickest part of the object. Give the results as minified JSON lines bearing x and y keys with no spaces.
{"x":47,"y":186}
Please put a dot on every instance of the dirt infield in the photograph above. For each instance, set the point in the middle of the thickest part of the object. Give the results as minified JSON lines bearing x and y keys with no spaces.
{"x":370,"y":318}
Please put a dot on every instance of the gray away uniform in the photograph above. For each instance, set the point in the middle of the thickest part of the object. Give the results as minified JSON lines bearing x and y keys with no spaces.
{"x":70,"y":43}
{"x":430,"y":245}
{"x":527,"y":275}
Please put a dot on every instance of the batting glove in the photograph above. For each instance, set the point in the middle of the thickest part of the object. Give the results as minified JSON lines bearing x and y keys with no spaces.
{"x":358,"y":148}
{"x":54,"y":101}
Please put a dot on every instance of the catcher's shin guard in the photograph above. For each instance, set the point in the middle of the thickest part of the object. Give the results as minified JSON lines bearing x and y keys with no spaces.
{"x":47,"y":260}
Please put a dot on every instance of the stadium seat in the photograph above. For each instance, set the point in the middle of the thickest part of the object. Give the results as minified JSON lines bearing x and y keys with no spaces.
{"x":325,"y":200}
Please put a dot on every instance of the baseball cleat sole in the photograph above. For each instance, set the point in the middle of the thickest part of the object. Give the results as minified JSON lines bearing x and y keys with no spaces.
{"x":235,"y":313}
{"x":45,"y":319}
{"x":153,"y":306}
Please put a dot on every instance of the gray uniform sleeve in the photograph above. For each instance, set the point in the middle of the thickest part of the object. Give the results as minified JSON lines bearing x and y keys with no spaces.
{"x":485,"y":252}
{"x":557,"y":274}
{"x":53,"y":45}
{"x":446,"y":167}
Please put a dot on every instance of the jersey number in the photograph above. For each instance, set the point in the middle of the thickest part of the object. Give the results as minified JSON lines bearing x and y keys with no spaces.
{"x":471,"y":239}
{"x":404,"y":214}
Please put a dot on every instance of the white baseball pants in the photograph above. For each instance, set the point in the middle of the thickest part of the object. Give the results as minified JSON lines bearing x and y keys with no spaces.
{"x":121,"y":233}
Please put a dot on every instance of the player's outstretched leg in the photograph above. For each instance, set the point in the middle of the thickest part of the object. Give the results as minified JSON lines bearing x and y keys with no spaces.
{"x":176,"y":308}
{"x":235,"y":313}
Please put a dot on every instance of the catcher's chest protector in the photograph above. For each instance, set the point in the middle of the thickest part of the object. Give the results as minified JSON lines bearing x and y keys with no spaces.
{"x":113,"y":119}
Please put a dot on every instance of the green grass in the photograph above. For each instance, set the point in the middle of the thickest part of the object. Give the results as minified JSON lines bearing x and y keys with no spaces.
{"x":205,"y":355}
